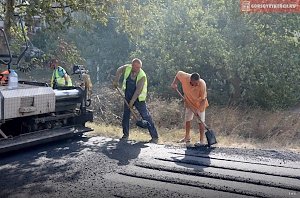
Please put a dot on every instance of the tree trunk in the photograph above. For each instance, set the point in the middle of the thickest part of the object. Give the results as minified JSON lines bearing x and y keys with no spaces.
{"x":9,"y":15}
{"x":235,"y":95}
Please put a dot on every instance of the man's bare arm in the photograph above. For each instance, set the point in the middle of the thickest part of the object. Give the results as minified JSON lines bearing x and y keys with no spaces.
{"x":119,"y":73}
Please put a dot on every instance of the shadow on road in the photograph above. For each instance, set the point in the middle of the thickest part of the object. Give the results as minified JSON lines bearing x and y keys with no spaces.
{"x":195,"y":158}
{"x":26,"y":170}
{"x":123,"y":151}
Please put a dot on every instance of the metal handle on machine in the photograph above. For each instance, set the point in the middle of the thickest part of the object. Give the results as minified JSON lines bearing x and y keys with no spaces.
{"x":25,"y":39}
{"x":8,"y":49}
{"x":9,"y":55}
{"x":131,"y":110}
{"x":27,"y":109}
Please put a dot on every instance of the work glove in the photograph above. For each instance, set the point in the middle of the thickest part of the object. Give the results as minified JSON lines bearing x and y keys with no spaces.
{"x":131,"y":103}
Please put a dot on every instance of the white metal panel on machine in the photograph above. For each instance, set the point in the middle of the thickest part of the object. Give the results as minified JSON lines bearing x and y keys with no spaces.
{"x":26,"y":100}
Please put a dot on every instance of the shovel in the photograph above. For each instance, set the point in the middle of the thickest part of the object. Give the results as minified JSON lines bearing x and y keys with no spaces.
{"x":140,"y":123}
{"x":210,"y":134}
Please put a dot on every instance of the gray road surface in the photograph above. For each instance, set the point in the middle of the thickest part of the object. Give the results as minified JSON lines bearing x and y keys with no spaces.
{"x":103,"y":167}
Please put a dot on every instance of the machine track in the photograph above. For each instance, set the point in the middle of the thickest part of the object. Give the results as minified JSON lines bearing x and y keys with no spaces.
{"x":40,"y":137}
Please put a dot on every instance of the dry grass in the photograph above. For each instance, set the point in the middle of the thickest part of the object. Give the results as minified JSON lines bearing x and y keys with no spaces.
{"x":261,"y":128}
{"x":116,"y":132}
{"x":234,"y":127}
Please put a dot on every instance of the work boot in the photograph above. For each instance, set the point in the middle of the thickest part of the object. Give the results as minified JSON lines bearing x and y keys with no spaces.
{"x":124,"y":138}
{"x":153,"y":140}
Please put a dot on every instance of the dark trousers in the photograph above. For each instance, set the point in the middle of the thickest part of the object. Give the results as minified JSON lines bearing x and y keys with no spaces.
{"x":142,"y":109}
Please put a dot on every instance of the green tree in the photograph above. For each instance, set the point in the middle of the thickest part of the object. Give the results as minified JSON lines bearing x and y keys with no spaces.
{"x":56,"y":14}
{"x":55,"y":17}
{"x":102,"y":47}
{"x":245,"y":58}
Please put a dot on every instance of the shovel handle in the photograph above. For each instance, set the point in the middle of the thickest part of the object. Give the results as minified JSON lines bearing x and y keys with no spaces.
{"x":193,"y":111}
{"x":180,"y":93}
{"x":131,"y":110}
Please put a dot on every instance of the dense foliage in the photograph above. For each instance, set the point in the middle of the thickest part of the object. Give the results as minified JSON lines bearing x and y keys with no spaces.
{"x":250,"y":59}
{"x":103,"y":49}
{"x":53,"y":18}
{"x":244,"y":58}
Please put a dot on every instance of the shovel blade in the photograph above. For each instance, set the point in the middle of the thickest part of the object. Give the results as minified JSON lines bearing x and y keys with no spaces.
{"x":143,"y":124}
{"x":211,"y":137}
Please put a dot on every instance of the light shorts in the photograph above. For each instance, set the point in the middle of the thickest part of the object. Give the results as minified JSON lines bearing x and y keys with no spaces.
{"x":189,"y":115}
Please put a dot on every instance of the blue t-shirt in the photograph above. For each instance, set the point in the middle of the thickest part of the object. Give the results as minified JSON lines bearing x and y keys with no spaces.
{"x":61,"y":71}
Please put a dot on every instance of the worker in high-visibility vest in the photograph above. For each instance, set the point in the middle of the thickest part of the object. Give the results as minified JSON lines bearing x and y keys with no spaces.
{"x":60,"y":77}
{"x":135,"y":88}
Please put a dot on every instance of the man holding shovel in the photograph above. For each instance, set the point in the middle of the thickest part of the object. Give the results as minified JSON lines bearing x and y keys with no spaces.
{"x":195,"y":97}
{"x":135,"y":88}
